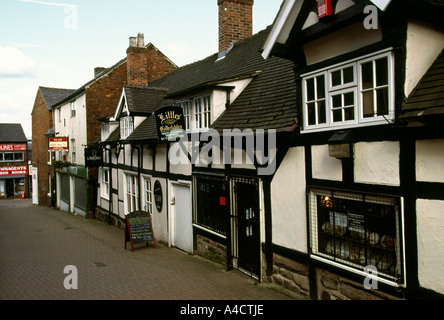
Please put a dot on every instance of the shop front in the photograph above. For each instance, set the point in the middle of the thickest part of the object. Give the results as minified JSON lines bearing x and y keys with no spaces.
{"x":12,"y":182}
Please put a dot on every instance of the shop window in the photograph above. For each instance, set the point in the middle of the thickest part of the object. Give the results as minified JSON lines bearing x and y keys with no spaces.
{"x":212,"y":207}
{"x":351,"y":94}
{"x":357,"y":231}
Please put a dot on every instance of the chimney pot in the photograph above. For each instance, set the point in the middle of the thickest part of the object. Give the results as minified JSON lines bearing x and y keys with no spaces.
{"x":132,"y":42}
{"x":140,"y":40}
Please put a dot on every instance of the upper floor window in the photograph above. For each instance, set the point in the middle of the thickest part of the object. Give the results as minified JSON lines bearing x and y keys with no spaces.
{"x":202,"y":112}
{"x":11,"y":156}
{"x":59,"y":115}
{"x":73,"y":109}
{"x":186,"y":106}
{"x":197,"y":112}
{"x":126,"y":127}
{"x":354,"y":93}
{"x":105,"y":130}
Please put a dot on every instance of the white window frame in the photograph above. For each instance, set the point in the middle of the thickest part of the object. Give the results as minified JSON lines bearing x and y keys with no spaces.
{"x":147,"y":199}
{"x":186,"y":106}
{"x":126,"y":127}
{"x":356,"y":87}
{"x":131,"y":189}
{"x":73,"y":108}
{"x":202,"y":112}
{"x":104,"y":183}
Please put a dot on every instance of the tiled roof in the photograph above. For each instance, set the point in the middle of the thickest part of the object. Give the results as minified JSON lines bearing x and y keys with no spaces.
{"x":144,"y":100}
{"x":427,"y":100}
{"x":269,"y":101}
{"x":12,"y":133}
{"x":146,"y":131}
{"x":54,"y":95}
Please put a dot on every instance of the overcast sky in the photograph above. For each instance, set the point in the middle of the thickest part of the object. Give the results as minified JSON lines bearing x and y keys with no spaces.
{"x":58,"y":43}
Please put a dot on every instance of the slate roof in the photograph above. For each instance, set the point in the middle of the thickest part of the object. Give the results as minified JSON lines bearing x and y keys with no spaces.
{"x":12,"y":133}
{"x":144,"y":100}
{"x":268,"y":102}
{"x":146,"y":131}
{"x":426,"y":103}
{"x":54,"y":95}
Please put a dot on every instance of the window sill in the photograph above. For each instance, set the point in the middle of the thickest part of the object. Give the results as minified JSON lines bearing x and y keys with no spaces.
{"x":367,"y":123}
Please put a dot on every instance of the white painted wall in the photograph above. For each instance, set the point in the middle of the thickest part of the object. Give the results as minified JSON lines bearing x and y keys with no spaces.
{"x":75,"y":128}
{"x":340,"y":42}
{"x":430,"y":160}
{"x":377,"y":163}
{"x":220,"y":96}
{"x":430,"y":228}
{"x":288,"y":201}
{"x":424,"y":44}
{"x":324,"y":166}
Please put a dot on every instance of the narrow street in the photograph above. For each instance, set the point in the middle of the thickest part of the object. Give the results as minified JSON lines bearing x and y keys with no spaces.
{"x":37,"y":243}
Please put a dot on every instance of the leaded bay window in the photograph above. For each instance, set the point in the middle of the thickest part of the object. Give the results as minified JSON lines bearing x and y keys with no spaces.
{"x":356,"y":231}
{"x":354,"y":93}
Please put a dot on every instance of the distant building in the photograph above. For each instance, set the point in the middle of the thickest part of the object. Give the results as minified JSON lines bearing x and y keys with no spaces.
{"x":13,"y":162}
{"x":42,"y":126}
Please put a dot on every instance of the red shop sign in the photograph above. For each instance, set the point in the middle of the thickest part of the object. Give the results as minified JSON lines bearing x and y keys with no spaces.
{"x":13,"y":171}
{"x":324,"y":8}
{"x":12,"y":147}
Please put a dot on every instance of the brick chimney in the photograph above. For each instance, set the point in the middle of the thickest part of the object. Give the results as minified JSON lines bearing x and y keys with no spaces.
{"x":235,"y":21}
{"x":137,"y":61}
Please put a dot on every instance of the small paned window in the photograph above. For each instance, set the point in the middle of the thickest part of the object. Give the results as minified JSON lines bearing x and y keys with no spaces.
{"x":352,"y":94}
{"x":357,"y":231}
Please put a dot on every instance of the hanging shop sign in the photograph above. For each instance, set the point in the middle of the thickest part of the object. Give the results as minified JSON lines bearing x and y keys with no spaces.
{"x":93,"y":157}
{"x":324,"y":8}
{"x":170,"y":123}
{"x":59,"y":143}
{"x":13,"y":171}
{"x":12,"y":147}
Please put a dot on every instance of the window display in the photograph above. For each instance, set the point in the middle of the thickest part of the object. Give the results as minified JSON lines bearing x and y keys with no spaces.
{"x":357,"y":230}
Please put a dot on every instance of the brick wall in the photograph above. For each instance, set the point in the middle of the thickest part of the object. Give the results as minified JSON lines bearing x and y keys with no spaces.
{"x":41,"y":123}
{"x":235,"y":21}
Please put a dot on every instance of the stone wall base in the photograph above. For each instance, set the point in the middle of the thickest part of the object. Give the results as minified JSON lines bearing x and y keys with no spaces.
{"x":211,"y":250}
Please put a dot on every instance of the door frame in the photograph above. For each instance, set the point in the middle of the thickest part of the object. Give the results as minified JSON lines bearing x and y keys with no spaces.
{"x":172,"y":211}
{"x":234,"y":224}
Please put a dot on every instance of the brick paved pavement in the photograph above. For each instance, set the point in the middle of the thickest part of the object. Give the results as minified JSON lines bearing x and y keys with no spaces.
{"x":36,"y":243}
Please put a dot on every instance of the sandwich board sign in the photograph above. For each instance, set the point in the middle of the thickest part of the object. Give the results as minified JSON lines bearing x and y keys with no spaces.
{"x":139,"y":229}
